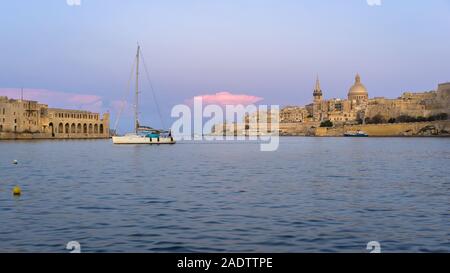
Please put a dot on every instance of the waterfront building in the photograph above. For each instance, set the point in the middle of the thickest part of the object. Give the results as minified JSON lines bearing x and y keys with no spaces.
{"x":355,"y":110}
{"x":358,"y":107}
{"x":31,"y":119}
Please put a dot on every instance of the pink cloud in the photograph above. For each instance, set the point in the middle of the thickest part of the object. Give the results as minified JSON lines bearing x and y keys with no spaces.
{"x":227,"y":98}
{"x":56,"y":99}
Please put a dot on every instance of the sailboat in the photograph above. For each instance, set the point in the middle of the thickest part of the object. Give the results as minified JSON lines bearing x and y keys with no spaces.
{"x":143,"y":134}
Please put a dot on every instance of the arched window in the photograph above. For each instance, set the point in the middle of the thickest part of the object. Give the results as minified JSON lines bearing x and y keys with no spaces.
{"x":67,"y":128}
{"x":101,"y":128}
{"x":90,"y":128}
{"x":96,"y":129}
{"x":60,"y":128}
{"x":73,"y":128}
{"x":85,"y":128}
{"x":79,"y":130}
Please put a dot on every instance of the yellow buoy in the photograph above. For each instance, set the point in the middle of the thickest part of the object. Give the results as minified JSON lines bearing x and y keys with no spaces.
{"x":17,"y":191}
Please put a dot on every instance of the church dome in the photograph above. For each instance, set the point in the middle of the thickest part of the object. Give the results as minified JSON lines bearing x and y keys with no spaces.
{"x":358,"y":90}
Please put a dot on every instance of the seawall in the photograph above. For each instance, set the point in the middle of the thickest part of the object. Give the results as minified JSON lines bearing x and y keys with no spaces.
{"x":29,"y":136}
{"x":435,"y":128}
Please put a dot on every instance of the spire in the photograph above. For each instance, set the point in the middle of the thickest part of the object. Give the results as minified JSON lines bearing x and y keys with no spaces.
{"x":317,"y":91}
{"x":317,"y":84}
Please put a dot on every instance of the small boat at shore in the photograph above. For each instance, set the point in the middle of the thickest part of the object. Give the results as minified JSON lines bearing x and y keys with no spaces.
{"x":356,"y":134}
{"x":143,"y":134}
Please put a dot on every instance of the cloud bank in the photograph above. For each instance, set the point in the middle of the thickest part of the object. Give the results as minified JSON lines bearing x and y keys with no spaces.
{"x":227,"y":98}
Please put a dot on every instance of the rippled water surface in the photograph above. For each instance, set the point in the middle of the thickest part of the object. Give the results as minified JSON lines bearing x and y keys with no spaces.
{"x":312,"y":195}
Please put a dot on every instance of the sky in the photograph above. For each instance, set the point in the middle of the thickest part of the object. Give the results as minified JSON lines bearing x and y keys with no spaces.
{"x":249,"y":51}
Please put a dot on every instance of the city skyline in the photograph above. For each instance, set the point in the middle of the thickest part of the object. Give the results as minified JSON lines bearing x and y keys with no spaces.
{"x":269,"y":51}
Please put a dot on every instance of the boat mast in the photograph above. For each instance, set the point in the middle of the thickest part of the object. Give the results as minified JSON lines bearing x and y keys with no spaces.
{"x":136,"y":99}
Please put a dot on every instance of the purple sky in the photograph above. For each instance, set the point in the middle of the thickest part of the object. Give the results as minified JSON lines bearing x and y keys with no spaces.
{"x":267,"y":51}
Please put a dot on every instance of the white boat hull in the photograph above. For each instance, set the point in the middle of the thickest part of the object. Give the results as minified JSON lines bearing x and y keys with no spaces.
{"x":135,"y":139}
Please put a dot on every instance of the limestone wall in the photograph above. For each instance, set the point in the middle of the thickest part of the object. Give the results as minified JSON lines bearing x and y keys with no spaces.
{"x":435,"y":128}
{"x":298,"y":129}
{"x":412,"y":104}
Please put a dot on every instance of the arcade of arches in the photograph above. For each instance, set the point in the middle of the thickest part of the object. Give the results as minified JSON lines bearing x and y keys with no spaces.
{"x":24,"y":119}
{"x":77,"y":124}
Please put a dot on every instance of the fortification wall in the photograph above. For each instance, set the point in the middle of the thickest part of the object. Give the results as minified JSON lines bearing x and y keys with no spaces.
{"x":394,"y":109}
{"x":435,"y":128}
{"x":298,"y":129}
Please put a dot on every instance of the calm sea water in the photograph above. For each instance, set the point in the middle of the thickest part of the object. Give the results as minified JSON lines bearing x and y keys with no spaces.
{"x":312,"y":195}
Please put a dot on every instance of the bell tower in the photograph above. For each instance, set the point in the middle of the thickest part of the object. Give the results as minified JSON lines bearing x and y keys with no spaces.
{"x":317,"y":92}
{"x":318,"y":99}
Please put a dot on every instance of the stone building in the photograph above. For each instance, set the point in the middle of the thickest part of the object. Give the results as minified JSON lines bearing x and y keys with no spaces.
{"x":336,"y":110}
{"x":294,"y":114}
{"x":424,"y":104}
{"x":254,"y":124}
{"x":358,"y":107}
{"x":31,"y":119}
